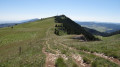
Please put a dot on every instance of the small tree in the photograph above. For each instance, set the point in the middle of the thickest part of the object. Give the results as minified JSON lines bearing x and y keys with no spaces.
{"x":56,"y":25}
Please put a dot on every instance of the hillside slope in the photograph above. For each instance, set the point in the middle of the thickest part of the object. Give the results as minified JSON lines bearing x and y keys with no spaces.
{"x":71,"y":27}
{"x":34,"y":44}
{"x":22,"y":45}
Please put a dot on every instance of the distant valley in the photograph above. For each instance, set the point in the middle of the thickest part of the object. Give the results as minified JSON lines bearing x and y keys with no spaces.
{"x":101,"y":27}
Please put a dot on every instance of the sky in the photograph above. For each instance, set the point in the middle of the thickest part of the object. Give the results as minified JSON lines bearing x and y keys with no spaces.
{"x":80,"y":10}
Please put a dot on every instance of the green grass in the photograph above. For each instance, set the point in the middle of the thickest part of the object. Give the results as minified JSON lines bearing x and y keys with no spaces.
{"x":109,"y":46}
{"x":71,"y":63}
{"x":60,"y":62}
{"x":96,"y":61}
{"x":28,"y":36}
{"x":31,"y":38}
{"x":87,"y":58}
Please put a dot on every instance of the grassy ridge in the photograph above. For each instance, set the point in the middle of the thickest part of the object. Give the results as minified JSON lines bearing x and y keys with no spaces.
{"x":23,"y":31}
{"x":22,"y":44}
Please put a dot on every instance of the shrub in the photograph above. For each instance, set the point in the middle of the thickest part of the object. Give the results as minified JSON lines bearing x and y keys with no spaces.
{"x":74,"y":65}
{"x":60,"y":63}
{"x":86,"y":60}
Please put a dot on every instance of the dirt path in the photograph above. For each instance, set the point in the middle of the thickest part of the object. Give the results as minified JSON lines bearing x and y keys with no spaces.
{"x":50,"y":58}
{"x":78,"y":59}
{"x":114,"y":60}
{"x":48,"y":45}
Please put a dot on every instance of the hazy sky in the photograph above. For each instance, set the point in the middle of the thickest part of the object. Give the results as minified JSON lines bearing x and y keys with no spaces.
{"x":82,"y":10}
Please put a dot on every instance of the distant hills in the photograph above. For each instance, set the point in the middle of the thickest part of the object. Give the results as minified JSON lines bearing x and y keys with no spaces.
{"x":101,"y":27}
{"x":12,"y":23}
{"x":7,"y":24}
{"x":30,"y":20}
{"x":114,"y":33}
{"x":94,"y":28}
{"x":95,"y":32}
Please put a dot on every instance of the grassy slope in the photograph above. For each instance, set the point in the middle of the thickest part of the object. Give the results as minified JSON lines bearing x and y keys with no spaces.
{"x":95,"y":61}
{"x":28,"y":37}
{"x":109,"y":46}
{"x":55,"y":44}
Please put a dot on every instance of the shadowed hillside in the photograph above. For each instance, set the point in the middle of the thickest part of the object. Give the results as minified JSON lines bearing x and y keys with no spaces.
{"x":113,"y":33}
{"x":70,"y":27}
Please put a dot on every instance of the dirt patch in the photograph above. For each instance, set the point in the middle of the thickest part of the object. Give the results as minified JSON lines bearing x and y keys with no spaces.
{"x":50,"y":58}
{"x":78,"y":59}
{"x":109,"y":58}
{"x":114,"y":60}
{"x":79,"y":37}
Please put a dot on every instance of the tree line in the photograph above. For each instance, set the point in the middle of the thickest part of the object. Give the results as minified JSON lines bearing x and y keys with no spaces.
{"x":72,"y":28}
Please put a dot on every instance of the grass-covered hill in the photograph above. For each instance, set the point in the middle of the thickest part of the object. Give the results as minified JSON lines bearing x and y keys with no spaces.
{"x":22,"y":45}
{"x":35,"y":44}
{"x":70,"y":27}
